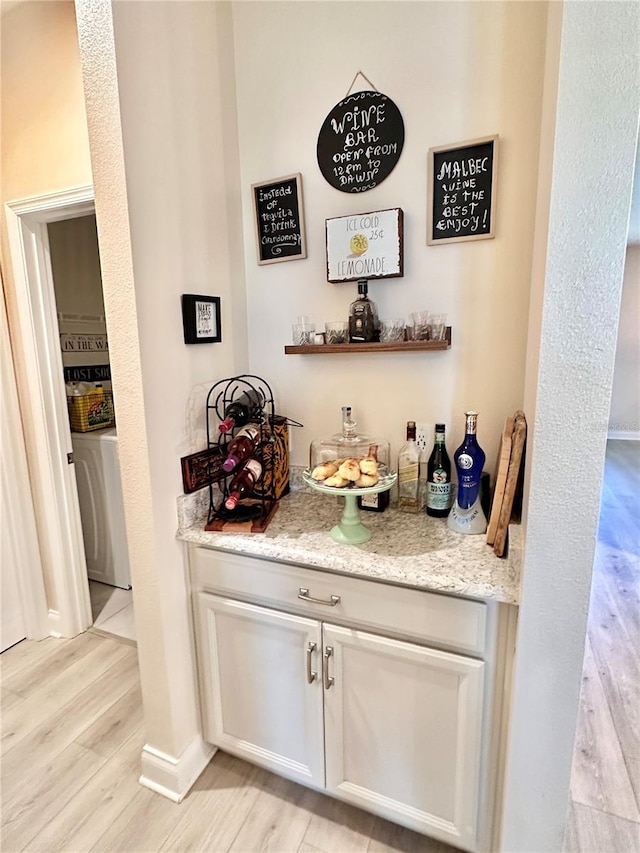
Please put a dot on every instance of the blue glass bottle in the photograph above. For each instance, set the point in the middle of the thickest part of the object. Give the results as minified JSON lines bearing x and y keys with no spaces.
{"x":466,"y":515}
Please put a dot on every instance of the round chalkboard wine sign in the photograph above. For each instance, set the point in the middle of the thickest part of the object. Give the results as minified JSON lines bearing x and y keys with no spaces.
{"x":360,"y":142}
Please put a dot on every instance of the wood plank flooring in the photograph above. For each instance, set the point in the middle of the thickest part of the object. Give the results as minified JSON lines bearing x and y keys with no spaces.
{"x":72,"y":732}
{"x":605,"y":783}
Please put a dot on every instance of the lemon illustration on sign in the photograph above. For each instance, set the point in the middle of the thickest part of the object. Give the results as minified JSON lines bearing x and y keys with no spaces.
{"x":359,"y":244}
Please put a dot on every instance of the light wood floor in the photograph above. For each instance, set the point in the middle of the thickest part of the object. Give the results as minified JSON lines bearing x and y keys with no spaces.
{"x":72,"y":734}
{"x":605,"y":783}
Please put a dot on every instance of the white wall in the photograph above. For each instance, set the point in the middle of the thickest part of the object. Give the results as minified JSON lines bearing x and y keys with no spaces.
{"x":577,"y":287}
{"x":162,"y":124}
{"x":45,"y":148}
{"x":75,"y":263}
{"x":456,"y":71}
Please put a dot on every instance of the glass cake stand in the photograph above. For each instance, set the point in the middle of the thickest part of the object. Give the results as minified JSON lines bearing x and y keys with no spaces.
{"x":350,"y":530}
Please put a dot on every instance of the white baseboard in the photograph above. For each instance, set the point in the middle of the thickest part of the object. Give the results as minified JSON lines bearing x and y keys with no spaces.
{"x":54,"y":623}
{"x":623,"y":435}
{"x":173,"y":777}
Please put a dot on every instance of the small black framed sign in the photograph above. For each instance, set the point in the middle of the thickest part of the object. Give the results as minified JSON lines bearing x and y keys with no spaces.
{"x":201,"y":319}
{"x":279,"y":217}
{"x":461,"y":194}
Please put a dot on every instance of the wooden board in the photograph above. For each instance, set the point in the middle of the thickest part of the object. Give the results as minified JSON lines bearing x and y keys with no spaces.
{"x":256,"y":525}
{"x":517,"y":450}
{"x":502,"y":469}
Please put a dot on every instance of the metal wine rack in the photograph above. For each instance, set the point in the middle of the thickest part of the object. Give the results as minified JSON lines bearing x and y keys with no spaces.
{"x":220,"y":396}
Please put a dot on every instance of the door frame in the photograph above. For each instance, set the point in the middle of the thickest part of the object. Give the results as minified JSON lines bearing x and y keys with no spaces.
{"x":43,"y":399}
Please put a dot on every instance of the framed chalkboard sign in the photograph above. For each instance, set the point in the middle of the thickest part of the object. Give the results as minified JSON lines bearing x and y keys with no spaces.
{"x":360,"y":142}
{"x":461,"y":193}
{"x":279,"y":217}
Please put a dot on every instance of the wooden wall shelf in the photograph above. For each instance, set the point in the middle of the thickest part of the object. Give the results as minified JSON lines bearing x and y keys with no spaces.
{"x":394,"y":346}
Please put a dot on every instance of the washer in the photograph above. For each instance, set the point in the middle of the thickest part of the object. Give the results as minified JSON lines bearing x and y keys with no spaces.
{"x":97,"y":467}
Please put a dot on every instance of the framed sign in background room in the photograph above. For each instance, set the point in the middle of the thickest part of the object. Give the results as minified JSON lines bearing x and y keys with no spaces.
{"x":201,"y":319}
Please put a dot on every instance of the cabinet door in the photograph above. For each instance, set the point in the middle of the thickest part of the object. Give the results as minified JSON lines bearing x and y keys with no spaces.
{"x":403,"y":730}
{"x":258,"y":701}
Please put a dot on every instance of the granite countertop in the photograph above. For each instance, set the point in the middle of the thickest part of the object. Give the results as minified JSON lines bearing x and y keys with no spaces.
{"x":412,"y":550}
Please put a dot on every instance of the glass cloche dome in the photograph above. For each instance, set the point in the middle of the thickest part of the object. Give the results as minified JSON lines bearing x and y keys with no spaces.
{"x":349,"y":456}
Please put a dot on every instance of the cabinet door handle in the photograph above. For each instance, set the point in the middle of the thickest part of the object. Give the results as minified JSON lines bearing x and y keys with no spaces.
{"x":303,"y":593}
{"x":311,"y":675}
{"x":328,"y":679}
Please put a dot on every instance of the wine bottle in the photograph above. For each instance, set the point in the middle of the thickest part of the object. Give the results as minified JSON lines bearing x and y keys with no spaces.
{"x":248,"y":407}
{"x":242,"y":447}
{"x":408,"y":467}
{"x":364,"y":325}
{"x":439,"y":477}
{"x":243,"y":482}
{"x":466,"y":514}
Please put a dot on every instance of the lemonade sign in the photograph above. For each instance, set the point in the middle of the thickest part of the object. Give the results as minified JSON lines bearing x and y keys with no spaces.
{"x":365,"y":245}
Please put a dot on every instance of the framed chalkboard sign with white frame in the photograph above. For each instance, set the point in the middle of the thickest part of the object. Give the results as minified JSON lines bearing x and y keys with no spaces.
{"x":279,"y":216}
{"x":461,"y":193}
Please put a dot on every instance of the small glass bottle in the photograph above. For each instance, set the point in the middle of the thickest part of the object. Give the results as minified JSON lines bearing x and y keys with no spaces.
{"x":466,"y":514}
{"x":242,"y":447}
{"x":364,"y":326}
{"x":243,"y":482}
{"x":439,"y":477}
{"x":408,"y":470}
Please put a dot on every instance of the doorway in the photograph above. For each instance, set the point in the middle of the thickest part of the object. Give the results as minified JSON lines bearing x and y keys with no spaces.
{"x":48,"y":437}
{"x":77,"y":283}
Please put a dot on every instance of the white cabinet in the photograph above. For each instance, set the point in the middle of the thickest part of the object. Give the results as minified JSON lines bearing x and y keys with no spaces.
{"x":403,"y":730}
{"x":391,"y":698}
{"x":262,"y":695}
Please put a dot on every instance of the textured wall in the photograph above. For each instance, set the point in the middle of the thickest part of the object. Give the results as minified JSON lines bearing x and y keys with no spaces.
{"x":596,"y":120}
{"x":624,"y":417}
{"x":165,"y":166}
{"x":152,"y":620}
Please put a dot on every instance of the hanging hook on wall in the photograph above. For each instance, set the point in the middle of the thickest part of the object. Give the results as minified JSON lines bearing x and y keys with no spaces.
{"x":361,"y":74}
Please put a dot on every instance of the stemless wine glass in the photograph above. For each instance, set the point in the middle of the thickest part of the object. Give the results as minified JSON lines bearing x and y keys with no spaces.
{"x":437,"y":327}
{"x":420,"y":324}
{"x":392,"y":330}
{"x":303,"y":334}
{"x":336,"y":333}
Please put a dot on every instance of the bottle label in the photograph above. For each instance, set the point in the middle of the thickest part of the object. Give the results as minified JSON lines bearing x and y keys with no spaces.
{"x":439,"y":495}
{"x":465,"y":461}
{"x":370,"y":500}
{"x":254,"y":467}
{"x":408,"y":473}
{"x":251,"y":432}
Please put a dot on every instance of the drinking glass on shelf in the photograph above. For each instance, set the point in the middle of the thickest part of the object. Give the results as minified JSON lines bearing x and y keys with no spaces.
{"x":336,"y":333}
{"x":437,"y":327}
{"x":304,"y":334}
{"x":420,"y":325}
{"x":392,"y":330}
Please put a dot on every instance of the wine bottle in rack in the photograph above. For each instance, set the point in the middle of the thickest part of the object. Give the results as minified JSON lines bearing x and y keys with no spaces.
{"x":243,"y":483}
{"x":242,"y":447}
{"x":238,"y":413}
